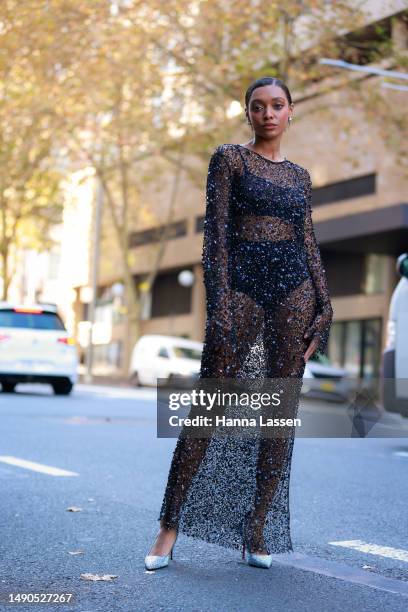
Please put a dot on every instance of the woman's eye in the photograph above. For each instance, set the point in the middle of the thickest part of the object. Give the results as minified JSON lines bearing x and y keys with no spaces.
{"x":257,"y":108}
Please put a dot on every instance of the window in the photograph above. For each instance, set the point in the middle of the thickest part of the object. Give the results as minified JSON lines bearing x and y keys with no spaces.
{"x":341,"y":284}
{"x":199,"y":226}
{"x":163,"y":352}
{"x":343,"y":190}
{"x":375,"y":273}
{"x":187,"y":353}
{"x":169,"y":297}
{"x":149,"y":236}
{"x":30,"y":320}
{"x":356,"y":346}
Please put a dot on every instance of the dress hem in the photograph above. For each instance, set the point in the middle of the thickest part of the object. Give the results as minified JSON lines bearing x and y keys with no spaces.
{"x":231,"y":544}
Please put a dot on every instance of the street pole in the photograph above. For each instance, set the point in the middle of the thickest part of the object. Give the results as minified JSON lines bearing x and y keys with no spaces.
{"x":95,"y":274}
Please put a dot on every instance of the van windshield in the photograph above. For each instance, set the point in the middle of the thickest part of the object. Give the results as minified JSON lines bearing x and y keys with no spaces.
{"x":187,"y":353}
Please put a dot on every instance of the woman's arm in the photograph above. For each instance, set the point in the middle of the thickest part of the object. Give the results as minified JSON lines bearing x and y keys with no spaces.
{"x":216,"y":240}
{"x":320,"y":327}
{"x":218,"y":347}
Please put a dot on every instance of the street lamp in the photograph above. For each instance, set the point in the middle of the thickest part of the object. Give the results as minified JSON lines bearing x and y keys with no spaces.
{"x":186,"y":278}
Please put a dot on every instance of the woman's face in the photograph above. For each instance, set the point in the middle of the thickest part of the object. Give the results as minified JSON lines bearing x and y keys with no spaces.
{"x":268,"y":111}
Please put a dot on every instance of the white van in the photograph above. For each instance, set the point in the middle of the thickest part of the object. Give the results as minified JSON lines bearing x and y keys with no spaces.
{"x":165,"y":357}
{"x":394,"y":370}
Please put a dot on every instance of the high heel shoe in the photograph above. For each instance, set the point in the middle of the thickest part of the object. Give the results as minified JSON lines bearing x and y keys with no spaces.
{"x":255,"y":559}
{"x":154,"y":562}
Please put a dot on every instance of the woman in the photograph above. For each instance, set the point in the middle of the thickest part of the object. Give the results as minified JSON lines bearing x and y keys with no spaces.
{"x":268,"y":311}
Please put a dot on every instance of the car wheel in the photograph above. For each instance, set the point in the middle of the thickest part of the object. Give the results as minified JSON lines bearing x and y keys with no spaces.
{"x":172,"y":381}
{"x":8,"y":387}
{"x":134,"y":380}
{"x":63,"y":387}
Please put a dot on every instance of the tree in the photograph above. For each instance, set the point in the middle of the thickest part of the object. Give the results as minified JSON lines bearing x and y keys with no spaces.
{"x":30,"y":200}
{"x":112,"y":105}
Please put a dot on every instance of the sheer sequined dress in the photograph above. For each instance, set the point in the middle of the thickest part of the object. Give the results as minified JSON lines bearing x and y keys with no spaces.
{"x":265,"y":286}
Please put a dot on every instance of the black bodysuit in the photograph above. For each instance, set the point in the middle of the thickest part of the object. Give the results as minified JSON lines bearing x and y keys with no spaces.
{"x":265,"y":286}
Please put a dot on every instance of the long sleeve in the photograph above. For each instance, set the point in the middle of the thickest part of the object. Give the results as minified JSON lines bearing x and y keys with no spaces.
{"x":216,"y":242}
{"x":217,"y":357}
{"x":324,"y":313}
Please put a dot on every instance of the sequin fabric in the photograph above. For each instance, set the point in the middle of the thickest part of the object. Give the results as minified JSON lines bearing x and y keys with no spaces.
{"x":265,"y":287}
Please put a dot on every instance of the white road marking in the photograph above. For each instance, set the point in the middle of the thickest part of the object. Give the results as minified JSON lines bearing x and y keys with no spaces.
{"x":340,"y":571}
{"x":374,"y":549}
{"x":36,"y":467}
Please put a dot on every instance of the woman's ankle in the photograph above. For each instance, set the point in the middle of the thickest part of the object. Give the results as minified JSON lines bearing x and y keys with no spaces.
{"x":167,"y":527}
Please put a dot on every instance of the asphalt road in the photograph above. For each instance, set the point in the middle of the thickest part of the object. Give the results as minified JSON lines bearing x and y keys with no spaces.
{"x":348,"y":504}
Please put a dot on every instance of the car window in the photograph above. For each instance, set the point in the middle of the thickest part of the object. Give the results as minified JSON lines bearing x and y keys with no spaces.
{"x":187,"y":353}
{"x":30,"y":320}
{"x":163,"y":352}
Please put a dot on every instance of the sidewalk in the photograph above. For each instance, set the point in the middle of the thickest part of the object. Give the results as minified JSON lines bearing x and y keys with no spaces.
{"x":103,"y":379}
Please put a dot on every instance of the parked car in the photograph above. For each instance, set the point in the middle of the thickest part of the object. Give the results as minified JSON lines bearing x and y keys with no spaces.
{"x":394,"y":366}
{"x":323,"y":380}
{"x":164,"y":357}
{"x":36,"y":347}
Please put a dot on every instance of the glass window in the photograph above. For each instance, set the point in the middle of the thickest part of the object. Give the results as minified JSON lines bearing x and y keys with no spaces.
{"x":375,"y":273}
{"x":30,"y":320}
{"x":352,"y":348}
{"x":356,"y":346}
{"x":169,"y":297}
{"x":371,"y":347}
{"x":335,"y":348}
{"x":187,"y":353}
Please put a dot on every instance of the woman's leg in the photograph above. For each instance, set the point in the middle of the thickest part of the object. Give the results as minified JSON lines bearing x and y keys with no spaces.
{"x":187,"y":458}
{"x":285,"y":347}
{"x":219,"y":357}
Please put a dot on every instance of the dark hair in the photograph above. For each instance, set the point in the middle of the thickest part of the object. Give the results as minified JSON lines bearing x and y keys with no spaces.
{"x":267,"y":81}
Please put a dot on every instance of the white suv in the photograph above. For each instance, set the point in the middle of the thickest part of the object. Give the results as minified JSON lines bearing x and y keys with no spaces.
{"x":36,"y":347}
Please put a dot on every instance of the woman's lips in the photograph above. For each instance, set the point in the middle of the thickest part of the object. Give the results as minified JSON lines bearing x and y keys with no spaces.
{"x":270,"y":126}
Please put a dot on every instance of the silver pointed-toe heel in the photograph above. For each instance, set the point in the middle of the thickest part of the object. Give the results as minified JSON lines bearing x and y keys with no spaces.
{"x":154,"y":562}
{"x":255,"y":559}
